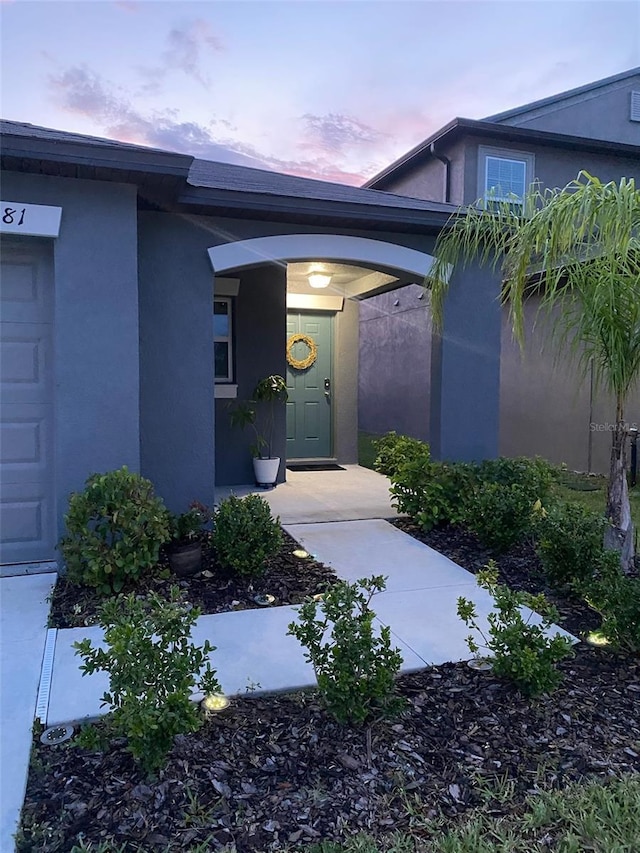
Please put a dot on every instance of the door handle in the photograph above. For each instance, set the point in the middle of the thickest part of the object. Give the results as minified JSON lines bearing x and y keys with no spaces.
{"x":327,"y":388}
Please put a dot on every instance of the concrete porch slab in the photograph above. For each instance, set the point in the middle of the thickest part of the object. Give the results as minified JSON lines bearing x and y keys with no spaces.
{"x":311,"y":496}
{"x":23,"y":631}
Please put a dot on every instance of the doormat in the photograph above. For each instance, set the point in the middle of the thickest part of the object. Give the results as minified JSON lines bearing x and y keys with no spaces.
{"x":330,"y":466}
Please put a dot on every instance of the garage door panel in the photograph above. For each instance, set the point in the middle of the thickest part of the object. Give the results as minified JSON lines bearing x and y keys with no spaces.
{"x":26,"y":520}
{"x":25,"y":443}
{"x":25,"y":362}
{"x":24,"y":289}
{"x":27,"y":512}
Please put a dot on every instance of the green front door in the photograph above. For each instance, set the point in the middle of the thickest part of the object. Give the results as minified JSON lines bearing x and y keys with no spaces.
{"x":310,"y":389}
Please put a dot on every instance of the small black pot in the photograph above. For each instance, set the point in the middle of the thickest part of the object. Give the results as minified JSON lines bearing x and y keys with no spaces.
{"x":185,"y":559}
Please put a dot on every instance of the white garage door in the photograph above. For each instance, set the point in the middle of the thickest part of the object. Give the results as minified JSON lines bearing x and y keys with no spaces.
{"x":27,"y":528}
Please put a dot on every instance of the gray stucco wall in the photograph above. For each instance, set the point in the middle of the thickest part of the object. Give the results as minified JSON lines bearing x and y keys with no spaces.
{"x":176,"y":358}
{"x":346,"y":371}
{"x":427,"y":181}
{"x":554,"y":167}
{"x":395,"y":363}
{"x":96,"y":326}
{"x":465,"y":369}
{"x":442,"y":388}
{"x":600,"y":114}
{"x":260,"y":335}
{"x":545,"y":405}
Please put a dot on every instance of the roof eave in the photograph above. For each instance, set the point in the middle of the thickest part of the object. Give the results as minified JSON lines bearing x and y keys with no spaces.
{"x":152,"y":162}
{"x":500,"y":131}
{"x":296,"y":208}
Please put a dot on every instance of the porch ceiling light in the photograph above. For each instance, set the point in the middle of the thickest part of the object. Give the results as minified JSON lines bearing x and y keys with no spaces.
{"x":318,"y":279}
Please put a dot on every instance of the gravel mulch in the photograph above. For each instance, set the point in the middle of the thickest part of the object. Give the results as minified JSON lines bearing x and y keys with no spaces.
{"x":287,"y":577}
{"x":278,"y":771}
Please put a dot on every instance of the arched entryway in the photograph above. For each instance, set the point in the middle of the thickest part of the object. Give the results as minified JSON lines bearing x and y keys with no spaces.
{"x":322,"y":418}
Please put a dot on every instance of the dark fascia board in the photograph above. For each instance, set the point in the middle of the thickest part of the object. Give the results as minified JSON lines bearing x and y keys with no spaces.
{"x":208,"y":201}
{"x":470,"y":127}
{"x":77,"y":153}
{"x":563,"y":96}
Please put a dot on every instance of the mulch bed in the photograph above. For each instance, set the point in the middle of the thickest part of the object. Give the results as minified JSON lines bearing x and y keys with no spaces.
{"x":274,"y":771}
{"x":287,"y":577}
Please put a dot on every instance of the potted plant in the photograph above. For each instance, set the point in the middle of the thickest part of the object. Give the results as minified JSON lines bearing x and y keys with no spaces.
{"x":259,"y":413}
{"x":184,"y":549}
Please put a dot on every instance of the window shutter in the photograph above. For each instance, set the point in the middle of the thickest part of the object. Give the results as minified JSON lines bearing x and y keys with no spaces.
{"x":634,"y":114}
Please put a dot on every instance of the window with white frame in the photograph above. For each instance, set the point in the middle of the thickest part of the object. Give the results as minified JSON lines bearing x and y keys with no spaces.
{"x":222,"y":337}
{"x":504,"y":175}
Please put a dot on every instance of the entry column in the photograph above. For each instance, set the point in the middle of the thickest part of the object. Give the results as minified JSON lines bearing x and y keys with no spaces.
{"x":465,"y":369}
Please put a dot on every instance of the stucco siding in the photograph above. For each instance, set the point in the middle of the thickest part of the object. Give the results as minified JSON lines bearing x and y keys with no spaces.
{"x":95,"y":326}
{"x":546,"y":404}
{"x":260,"y":335}
{"x":395,"y":363}
{"x":345,"y":366}
{"x":600,"y":114}
{"x":176,"y":358}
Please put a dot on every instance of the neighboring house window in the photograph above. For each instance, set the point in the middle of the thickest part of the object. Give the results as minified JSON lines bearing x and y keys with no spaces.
{"x":504,"y":175}
{"x":222,"y":331}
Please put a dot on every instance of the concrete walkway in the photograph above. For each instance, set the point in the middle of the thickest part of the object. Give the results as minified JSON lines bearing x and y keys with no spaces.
{"x":253,"y":651}
{"x":23,"y":631}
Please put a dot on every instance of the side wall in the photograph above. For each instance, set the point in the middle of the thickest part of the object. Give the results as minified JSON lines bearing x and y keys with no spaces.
{"x":346,"y":371}
{"x":95,"y":326}
{"x":176,"y":358}
{"x":260,"y":334}
{"x":600,"y":114}
{"x":546,"y":405}
{"x":395,"y":363}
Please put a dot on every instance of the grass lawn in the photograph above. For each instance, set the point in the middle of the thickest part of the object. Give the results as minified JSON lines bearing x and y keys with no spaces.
{"x":598,"y":817}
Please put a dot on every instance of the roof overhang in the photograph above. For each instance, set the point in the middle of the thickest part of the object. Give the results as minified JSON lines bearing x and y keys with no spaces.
{"x":244,"y":205}
{"x":465,"y":127}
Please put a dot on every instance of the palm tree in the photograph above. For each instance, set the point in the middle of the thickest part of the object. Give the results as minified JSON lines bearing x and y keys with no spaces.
{"x":579,"y":249}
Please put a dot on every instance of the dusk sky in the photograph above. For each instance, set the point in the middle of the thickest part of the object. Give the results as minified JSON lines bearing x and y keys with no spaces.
{"x":332,"y":90}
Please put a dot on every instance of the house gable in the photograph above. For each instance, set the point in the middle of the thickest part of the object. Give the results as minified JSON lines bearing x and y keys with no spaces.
{"x":602,"y":110}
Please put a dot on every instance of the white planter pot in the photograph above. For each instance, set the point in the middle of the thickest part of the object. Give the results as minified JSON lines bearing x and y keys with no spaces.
{"x":266,"y":471}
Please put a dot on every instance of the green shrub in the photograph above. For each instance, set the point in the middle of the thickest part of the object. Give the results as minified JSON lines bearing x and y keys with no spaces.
{"x":499,"y":515}
{"x":569,"y":544}
{"x":431,"y":493}
{"x":535,"y":476}
{"x":153,"y":669}
{"x":394,"y":451}
{"x":115,"y":528}
{"x":355,"y":669}
{"x":616,"y":597}
{"x":521,"y":650}
{"x":245,"y":534}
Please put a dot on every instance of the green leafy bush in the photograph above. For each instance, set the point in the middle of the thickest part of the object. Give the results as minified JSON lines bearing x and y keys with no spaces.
{"x":393,"y":451}
{"x":355,"y":669}
{"x":431,"y":493}
{"x":521,"y":650}
{"x":500,"y":515}
{"x":153,"y":668}
{"x":616,"y":597}
{"x":115,"y":528}
{"x":245,"y":534}
{"x":569,"y":544}
{"x":534,"y":476}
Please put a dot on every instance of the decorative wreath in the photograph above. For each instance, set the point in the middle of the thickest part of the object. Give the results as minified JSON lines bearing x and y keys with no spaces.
{"x":301,"y":363}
